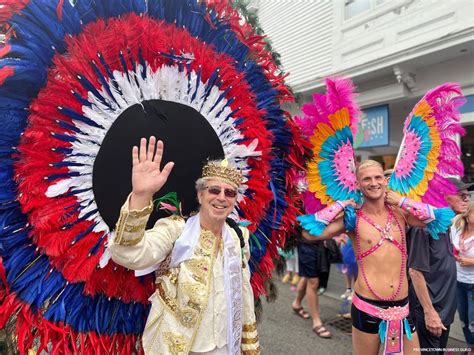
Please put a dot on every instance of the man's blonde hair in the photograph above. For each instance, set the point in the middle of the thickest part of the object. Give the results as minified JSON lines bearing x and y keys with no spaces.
{"x":366,"y":164}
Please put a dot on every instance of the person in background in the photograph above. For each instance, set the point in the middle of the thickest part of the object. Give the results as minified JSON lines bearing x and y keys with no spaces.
{"x":349,"y":265}
{"x":462,"y":237}
{"x":432,"y":270}
{"x":291,"y":261}
{"x":312,"y":261}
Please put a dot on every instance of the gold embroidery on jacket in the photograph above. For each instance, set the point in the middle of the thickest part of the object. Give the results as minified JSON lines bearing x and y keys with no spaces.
{"x":169,"y":302}
{"x":189,"y":317}
{"x":250,"y":340}
{"x":176,"y":343}
{"x":134,"y":229}
{"x":199,"y":269}
{"x":249,"y":327}
{"x":251,"y":352}
{"x":188,"y":309}
{"x":195,"y":292}
{"x":125,"y":225}
{"x":143,"y":212}
{"x":186,"y":316}
{"x":130,"y":242}
{"x":204,"y":251}
{"x":155,"y":335}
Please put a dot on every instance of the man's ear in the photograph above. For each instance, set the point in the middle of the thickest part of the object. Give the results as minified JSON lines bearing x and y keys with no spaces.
{"x":448,"y":199}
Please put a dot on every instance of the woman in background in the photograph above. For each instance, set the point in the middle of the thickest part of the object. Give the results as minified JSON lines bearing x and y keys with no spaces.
{"x":462,"y":236}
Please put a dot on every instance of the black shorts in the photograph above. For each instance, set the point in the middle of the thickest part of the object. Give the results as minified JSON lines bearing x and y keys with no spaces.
{"x":369,"y":324}
{"x":308,"y":260}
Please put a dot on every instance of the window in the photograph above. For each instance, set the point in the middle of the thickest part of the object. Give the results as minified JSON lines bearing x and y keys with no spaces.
{"x":356,"y":7}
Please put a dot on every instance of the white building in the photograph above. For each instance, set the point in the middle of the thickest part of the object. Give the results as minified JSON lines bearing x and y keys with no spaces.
{"x":394,"y":51}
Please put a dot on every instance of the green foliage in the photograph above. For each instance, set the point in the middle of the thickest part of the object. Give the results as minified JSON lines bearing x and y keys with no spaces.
{"x":242,"y":7}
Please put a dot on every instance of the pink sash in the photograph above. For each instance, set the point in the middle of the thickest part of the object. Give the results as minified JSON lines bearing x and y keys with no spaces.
{"x":391,"y":327}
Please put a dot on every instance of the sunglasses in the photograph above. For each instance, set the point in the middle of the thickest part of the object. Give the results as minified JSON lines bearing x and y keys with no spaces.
{"x":464,"y":196}
{"x":216,"y":190}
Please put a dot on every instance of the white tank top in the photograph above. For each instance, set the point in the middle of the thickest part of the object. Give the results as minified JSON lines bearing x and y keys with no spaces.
{"x":464,"y":273}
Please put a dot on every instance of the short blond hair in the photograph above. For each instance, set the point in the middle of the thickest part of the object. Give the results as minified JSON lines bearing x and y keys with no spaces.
{"x":366,"y":164}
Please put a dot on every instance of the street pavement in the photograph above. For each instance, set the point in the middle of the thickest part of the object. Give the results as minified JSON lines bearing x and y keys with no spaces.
{"x":281,"y":331}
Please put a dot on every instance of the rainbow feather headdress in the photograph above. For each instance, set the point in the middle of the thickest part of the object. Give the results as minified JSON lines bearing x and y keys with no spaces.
{"x":428,"y":154}
{"x":330,"y":123}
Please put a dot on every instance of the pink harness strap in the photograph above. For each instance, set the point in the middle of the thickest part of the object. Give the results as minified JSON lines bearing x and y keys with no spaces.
{"x":379,"y":243}
{"x":384,"y":234}
{"x":394,"y":319}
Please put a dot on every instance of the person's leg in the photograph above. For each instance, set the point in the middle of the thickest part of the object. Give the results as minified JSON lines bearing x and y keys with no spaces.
{"x":466,"y":310}
{"x":313,"y":305}
{"x":411,"y":346}
{"x":312,"y":300}
{"x":348,"y":293}
{"x":364,"y":343}
{"x":323,"y":279}
{"x":470,"y":313}
{"x":286,"y":277}
{"x":300,"y":293}
{"x":443,"y":339}
{"x":427,"y":339}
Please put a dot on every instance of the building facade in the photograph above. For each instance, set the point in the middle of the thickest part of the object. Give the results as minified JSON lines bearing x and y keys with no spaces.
{"x":394,"y":51}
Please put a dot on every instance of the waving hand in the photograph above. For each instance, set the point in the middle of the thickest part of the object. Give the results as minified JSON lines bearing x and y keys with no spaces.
{"x":147,"y":178}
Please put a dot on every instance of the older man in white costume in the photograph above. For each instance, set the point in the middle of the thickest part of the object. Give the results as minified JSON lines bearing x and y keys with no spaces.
{"x":203,"y":302}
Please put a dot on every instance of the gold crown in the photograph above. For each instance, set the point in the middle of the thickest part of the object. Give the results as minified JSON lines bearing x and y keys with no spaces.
{"x":221,"y":170}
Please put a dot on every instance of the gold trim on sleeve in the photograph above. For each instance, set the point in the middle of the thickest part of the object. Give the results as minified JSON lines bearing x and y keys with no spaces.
{"x":129,"y":242}
{"x":251,"y":352}
{"x":250,"y":340}
{"x":141,"y":213}
{"x":249,"y":327}
{"x":134,"y":229}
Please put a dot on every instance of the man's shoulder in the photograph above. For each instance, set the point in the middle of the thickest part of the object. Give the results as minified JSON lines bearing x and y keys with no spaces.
{"x":174,"y":222}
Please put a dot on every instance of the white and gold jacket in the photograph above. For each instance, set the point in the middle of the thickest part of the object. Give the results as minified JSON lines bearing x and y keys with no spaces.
{"x":188,"y":310}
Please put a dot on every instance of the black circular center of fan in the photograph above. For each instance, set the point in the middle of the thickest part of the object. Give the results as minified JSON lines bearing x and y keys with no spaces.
{"x":189,"y":141}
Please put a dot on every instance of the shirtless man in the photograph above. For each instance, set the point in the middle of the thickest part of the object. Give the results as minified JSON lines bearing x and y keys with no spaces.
{"x":380,"y":248}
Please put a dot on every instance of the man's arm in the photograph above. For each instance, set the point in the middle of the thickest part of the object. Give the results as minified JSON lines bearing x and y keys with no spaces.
{"x":418,"y":264}
{"x":432,"y":320}
{"x":419,"y":214}
{"x":136,"y":248}
{"x":333,"y":229}
{"x":317,"y":224}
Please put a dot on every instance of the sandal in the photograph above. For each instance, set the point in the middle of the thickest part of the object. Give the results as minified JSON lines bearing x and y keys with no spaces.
{"x":322,"y":332}
{"x":301,"y":312}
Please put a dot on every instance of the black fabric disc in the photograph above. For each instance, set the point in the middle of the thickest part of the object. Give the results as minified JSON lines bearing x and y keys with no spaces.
{"x":189,"y":140}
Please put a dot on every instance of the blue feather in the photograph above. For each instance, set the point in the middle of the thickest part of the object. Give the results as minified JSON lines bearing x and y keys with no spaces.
{"x":382,"y":330}
{"x":350,"y":218}
{"x":406,"y":325}
{"x":443,"y":219}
